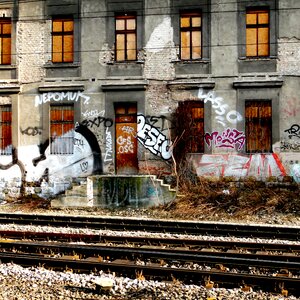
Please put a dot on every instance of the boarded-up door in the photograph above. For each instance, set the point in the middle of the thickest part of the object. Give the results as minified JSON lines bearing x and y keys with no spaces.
{"x":126,"y":138}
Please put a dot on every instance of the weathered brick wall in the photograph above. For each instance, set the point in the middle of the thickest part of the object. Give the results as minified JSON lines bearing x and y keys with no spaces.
{"x":159,"y":52}
{"x":289,"y":56}
{"x":30,"y":51}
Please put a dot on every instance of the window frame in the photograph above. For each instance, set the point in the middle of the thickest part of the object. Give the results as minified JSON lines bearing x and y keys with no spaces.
{"x":63,"y":34}
{"x":256,"y":122}
{"x":125,"y":32}
{"x":257,"y":26}
{"x":5,"y":21}
{"x":6,"y":142}
{"x":258,"y":64}
{"x":190,"y":29}
{"x":68,"y":140}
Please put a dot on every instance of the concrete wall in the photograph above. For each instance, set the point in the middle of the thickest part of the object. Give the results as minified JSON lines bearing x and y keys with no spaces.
{"x":223,"y":79}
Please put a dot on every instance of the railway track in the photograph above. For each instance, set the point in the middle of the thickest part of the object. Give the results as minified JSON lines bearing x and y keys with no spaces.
{"x":190,"y":260}
{"x":150,"y":225}
{"x":160,"y":263}
{"x":171,"y":262}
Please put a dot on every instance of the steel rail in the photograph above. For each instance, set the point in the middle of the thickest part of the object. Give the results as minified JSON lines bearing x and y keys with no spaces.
{"x":225,"y":258}
{"x":223,"y":279}
{"x":193,"y":244}
{"x":179,"y":227}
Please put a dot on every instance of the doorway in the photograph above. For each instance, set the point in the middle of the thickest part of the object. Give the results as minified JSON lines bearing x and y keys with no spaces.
{"x":126,"y":138}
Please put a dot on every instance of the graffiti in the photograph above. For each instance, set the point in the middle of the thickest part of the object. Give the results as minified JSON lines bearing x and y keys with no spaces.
{"x":60,"y":96}
{"x":51,"y":173}
{"x":84,"y":166}
{"x":108,"y":146}
{"x":287,"y":146}
{"x":93,"y":113}
{"x":151,"y":138}
{"x":294,"y":131}
{"x":296,"y":172}
{"x":220,"y":108}
{"x":124,"y":145}
{"x":107,"y":122}
{"x":160,"y":122}
{"x":236,"y":165}
{"x":129,"y":130}
{"x":78,"y":142}
{"x":291,"y":108}
{"x":230,"y":138}
{"x":33,"y":131}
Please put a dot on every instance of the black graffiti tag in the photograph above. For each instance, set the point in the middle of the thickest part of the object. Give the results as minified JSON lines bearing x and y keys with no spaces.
{"x":294,"y":131}
{"x":160,"y":122}
{"x":78,"y":142}
{"x":31,"y":131}
{"x":84,"y":166}
{"x":107,"y":122}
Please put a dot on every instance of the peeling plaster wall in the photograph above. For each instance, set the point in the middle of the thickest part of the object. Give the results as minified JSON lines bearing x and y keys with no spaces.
{"x":159,"y":52}
{"x":30,"y":43}
{"x":289,"y":56}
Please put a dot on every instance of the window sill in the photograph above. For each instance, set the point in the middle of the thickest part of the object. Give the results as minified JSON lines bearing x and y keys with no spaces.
{"x":8,"y":67}
{"x":61,"y":65}
{"x":192,"y":61}
{"x":269,"y":58}
{"x":127,"y":62}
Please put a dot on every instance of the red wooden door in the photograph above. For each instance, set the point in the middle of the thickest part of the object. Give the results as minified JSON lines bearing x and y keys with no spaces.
{"x":126,"y":138}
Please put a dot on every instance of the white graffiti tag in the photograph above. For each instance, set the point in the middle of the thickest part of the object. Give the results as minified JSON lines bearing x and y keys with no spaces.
{"x":125,"y":144}
{"x":93,"y":113}
{"x":220,"y":108}
{"x":151,"y":138}
{"x":129,"y":130}
{"x":108,"y":146}
{"x":60,"y":96}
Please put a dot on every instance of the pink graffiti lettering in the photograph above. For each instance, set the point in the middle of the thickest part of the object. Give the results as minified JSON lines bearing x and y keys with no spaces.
{"x":230,"y":138}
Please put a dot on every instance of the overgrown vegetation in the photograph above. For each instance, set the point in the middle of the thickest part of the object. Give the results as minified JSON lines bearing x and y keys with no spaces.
{"x":198,"y":197}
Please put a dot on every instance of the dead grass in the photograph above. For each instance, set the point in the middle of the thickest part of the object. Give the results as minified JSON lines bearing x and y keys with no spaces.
{"x":236,"y":198}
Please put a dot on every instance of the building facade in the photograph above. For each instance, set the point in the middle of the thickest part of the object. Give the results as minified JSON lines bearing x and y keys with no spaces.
{"x":130,"y":87}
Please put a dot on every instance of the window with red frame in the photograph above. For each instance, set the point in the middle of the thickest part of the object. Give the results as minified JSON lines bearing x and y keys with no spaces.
{"x":6,"y":129}
{"x":61,"y":129}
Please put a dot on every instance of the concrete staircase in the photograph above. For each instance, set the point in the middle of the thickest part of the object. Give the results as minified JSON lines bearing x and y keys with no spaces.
{"x":116,"y":191}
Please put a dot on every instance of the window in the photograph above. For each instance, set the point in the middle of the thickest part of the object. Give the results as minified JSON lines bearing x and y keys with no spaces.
{"x":258,"y":126}
{"x":190,"y":36}
{"x":257,"y":33}
{"x":61,"y":129}
{"x":190,"y":127}
{"x":5,"y":36}
{"x":62,"y":40}
{"x":5,"y":124}
{"x":126,"y":41}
